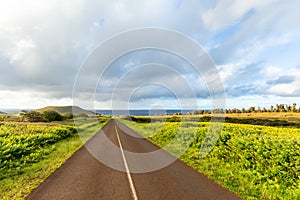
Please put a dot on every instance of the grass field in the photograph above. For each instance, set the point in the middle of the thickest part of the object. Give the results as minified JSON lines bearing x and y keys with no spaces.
{"x":266,"y":119}
{"x":284,"y":116}
{"x":31,"y":152}
{"x":255,"y":162}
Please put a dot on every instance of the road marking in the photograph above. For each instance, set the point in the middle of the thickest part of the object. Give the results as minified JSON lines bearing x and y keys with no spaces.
{"x":133,"y":191}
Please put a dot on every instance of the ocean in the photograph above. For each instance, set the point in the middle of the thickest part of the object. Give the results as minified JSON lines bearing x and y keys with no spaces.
{"x":143,"y":112}
{"x":140,"y":112}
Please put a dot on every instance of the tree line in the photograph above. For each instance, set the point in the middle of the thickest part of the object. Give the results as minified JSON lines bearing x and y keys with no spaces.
{"x":272,"y":108}
{"x":46,"y":116}
{"x":252,"y":109}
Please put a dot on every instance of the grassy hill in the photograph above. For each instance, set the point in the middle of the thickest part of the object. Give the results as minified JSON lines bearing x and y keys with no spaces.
{"x":65,"y":109}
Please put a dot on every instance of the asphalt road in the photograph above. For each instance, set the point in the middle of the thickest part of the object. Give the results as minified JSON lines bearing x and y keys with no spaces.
{"x":126,"y":173}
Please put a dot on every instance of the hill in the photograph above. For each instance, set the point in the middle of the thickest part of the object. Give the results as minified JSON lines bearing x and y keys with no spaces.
{"x":65,"y":109}
{"x":2,"y":113}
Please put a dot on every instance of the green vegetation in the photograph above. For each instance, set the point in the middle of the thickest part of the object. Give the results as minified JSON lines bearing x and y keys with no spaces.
{"x":255,"y":162}
{"x":22,"y":144}
{"x":31,"y":152}
{"x":46,"y":116}
{"x":264,"y":119}
{"x":289,"y":117}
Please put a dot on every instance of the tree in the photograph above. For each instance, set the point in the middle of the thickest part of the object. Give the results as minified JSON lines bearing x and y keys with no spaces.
{"x":33,"y":116}
{"x":251,"y":109}
{"x":202,"y":112}
{"x":195,"y":112}
{"x":288,"y":108}
{"x":23,"y":113}
{"x":272,"y":108}
{"x":51,"y":115}
{"x":281,"y":108}
{"x":294,"y":109}
{"x":259,"y":109}
{"x":277,"y":108}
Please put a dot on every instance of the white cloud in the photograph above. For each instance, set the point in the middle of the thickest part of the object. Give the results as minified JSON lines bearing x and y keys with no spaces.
{"x":256,"y":45}
{"x":43,"y":43}
{"x":271,"y":72}
{"x":29,"y":100}
{"x":227,"y":13}
{"x":291,"y":88}
{"x":228,"y":71}
{"x":285,"y":89}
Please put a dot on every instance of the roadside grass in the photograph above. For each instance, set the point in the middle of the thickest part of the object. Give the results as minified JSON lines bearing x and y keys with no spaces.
{"x":20,"y":185}
{"x":255,"y":162}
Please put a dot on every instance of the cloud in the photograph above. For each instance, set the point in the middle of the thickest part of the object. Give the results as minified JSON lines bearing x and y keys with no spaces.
{"x":251,"y":30}
{"x":153,"y":80}
{"x":247,"y":39}
{"x":227,"y":13}
{"x":282,"y":80}
{"x":45,"y":46}
{"x":285,"y":89}
{"x":254,"y":45}
{"x":27,"y":97}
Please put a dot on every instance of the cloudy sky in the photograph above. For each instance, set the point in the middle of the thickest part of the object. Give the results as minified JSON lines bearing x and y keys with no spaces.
{"x":254,"y":45}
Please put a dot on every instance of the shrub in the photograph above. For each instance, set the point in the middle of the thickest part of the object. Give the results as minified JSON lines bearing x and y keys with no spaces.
{"x":68,"y":116}
{"x":33,"y":116}
{"x":49,"y":116}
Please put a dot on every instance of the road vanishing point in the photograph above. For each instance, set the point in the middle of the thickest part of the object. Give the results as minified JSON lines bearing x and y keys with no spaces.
{"x":84,"y":177}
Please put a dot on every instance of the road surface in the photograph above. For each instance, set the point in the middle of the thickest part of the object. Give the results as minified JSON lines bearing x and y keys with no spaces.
{"x":83,"y":176}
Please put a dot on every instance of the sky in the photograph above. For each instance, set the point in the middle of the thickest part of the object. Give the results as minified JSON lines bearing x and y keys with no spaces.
{"x":253,"y":44}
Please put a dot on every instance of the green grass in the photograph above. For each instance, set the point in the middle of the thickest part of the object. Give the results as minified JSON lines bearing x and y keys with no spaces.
{"x":255,"y":162}
{"x":265,"y":119}
{"x":18,"y":186}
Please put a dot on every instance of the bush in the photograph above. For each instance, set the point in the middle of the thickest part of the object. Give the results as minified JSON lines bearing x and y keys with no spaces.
{"x":173,"y":119}
{"x":49,"y":116}
{"x":21,"y":144}
{"x":33,"y":116}
{"x":68,"y":116}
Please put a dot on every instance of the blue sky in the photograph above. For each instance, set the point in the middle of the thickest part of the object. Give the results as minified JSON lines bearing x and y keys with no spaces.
{"x":254,"y":44}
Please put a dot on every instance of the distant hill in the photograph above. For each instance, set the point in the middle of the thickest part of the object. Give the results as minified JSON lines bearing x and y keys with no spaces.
{"x":65,"y":109}
{"x":2,"y":113}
